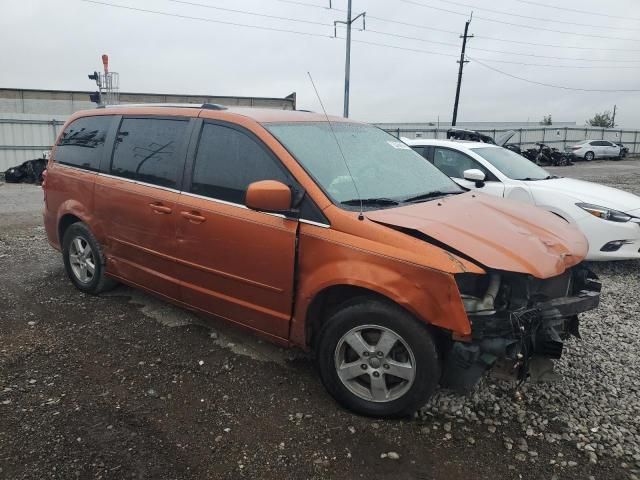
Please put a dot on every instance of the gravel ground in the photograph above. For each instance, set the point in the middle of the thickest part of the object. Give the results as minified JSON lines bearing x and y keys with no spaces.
{"x":126,"y":386}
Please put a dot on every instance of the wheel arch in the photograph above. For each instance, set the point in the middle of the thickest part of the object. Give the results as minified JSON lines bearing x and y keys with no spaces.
{"x":64,"y":223}
{"x":329,"y":300}
{"x":70,"y":212}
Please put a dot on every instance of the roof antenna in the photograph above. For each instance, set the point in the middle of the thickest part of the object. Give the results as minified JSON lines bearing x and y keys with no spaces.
{"x":344,"y":159}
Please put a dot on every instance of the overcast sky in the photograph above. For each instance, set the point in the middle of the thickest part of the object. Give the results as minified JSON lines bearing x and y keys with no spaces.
{"x":53,"y":44}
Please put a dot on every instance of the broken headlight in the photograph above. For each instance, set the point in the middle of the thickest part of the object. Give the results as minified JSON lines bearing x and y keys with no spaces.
{"x":605,"y":213}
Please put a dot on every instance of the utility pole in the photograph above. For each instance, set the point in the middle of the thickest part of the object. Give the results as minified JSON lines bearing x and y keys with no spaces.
{"x":462,"y":61}
{"x":347,"y":64}
{"x":613,"y":118}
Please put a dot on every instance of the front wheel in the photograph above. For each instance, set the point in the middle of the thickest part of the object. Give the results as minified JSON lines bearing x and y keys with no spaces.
{"x":377,"y":360}
{"x":589,"y":156}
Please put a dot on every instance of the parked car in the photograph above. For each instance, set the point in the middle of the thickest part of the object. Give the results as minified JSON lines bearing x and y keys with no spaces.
{"x":609,"y":218}
{"x":279,"y":222}
{"x":592,"y":149}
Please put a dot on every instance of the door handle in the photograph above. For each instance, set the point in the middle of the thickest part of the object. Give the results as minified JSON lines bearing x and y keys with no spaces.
{"x":159,"y":208}
{"x":193,"y":217}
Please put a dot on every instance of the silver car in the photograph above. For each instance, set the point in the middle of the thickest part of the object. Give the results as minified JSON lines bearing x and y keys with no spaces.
{"x":591,"y":149}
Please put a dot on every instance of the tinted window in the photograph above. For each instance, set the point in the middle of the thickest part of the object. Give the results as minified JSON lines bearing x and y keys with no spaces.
{"x":82,"y":142}
{"x":148,"y":150}
{"x":228,"y":161}
{"x":454,"y":163}
{"x":418,"y":149}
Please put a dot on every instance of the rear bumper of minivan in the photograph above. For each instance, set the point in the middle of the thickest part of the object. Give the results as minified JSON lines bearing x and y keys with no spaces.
{"x":515,"y":338}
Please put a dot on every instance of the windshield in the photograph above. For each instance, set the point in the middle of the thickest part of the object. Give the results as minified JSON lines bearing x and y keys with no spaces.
{"x":511,"y":164}
{"x":385,"y":170}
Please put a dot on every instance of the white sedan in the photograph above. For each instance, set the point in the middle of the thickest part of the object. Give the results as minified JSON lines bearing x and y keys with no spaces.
{"x":609,"y":218}
{"x":590,"y":149}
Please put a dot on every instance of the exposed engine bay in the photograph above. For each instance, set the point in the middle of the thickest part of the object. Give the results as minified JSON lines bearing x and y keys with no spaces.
{"x":516,"y":321}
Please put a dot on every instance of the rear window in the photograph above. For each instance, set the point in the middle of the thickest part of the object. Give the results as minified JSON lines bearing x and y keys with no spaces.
{"x":149,"y":150}
{"x":82,"y":142}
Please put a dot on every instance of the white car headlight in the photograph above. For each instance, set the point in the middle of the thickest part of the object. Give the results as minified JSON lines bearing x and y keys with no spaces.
{"x":605,"y":213}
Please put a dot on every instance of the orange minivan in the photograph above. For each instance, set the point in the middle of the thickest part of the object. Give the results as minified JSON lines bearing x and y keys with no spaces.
{"x":321,"y":233}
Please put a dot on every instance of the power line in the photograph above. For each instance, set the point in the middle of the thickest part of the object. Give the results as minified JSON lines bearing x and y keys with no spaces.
{"x":295,"y":2}
{"x":406,"y":37}
{"x":574,"y":10}
{"x":376,"y":44}
{"x":503,"y":22}
{"x":552,"y":85}
{"x":452,"y":32}
{"x":187,"y":17}
{"x":204,"y":19}
{"x":496,"y":39}
{"x":245,"y":12}
{"x":590,"y":25}
{"x":451,"y":55}
{"x":491,"y":60}
{"x":554,"y":46}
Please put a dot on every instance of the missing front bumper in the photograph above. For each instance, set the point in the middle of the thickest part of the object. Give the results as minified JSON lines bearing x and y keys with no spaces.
{"x":515,"y":337}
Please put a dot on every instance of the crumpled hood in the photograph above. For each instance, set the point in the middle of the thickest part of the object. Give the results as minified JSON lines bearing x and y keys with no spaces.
{"x":589,"y":192}
{"x":496,"y":233}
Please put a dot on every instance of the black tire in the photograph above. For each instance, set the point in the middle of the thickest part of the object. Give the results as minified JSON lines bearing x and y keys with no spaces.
{"x":373,"y":312}
{"x":589,"y":156}
{"x":98,"y":282}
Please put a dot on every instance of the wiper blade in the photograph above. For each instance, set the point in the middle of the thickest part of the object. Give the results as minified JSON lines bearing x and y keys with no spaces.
{"x":428,"y":195}
{"x":370,"y":201}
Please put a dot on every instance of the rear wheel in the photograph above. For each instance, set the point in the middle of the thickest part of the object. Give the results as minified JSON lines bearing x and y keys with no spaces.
{"x":589,"y":156}
{"x":376,"y":359}
{"x":84,"y":260}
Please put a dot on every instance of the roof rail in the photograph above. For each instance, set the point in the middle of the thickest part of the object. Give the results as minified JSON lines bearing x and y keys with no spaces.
{"x":206,"y":106}
{"x":213,"y":106}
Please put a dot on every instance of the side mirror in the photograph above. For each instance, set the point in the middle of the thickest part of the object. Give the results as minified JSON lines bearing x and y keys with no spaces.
{"x":475,"y":175}
{"x":268,"y":196}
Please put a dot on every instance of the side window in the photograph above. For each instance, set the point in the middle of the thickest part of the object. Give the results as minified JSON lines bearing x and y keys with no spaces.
{"x":148,"y":150}
{"x":82,"y":142}
{"x":227,"y":161}
{"x":453,"y":163}
{"x":418,"y":149}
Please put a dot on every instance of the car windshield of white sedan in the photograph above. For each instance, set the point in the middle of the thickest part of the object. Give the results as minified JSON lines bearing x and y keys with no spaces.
{"x":377,"y":169}
{"x":511,"y":164}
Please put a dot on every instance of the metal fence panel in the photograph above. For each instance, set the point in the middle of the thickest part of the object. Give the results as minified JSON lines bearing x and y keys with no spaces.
{"x":558,"y":137}
{"x":25,"y":137}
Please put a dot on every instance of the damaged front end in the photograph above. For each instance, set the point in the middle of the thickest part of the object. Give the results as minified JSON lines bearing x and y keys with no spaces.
{"x":518,"y":323}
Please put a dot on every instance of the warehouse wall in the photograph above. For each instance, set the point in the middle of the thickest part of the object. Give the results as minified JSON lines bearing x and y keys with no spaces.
{"x":30,"y":120}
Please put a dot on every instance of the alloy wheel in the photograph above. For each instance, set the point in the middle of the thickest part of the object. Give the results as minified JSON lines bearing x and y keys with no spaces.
{"x":82,"y":260}
{"x":375,"y":363}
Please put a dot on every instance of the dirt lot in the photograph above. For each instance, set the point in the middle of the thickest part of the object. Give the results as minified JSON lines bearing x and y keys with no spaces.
{"x":126,"y":386}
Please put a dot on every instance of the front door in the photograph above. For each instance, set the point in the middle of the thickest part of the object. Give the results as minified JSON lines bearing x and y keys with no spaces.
{"x":136,"y":202}
{"x":234,"y":262}
{"x":453,"y":163}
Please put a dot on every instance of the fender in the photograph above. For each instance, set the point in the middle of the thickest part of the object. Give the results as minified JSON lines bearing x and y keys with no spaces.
{"x":75,"y":208}
{"x":430,"y":295}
